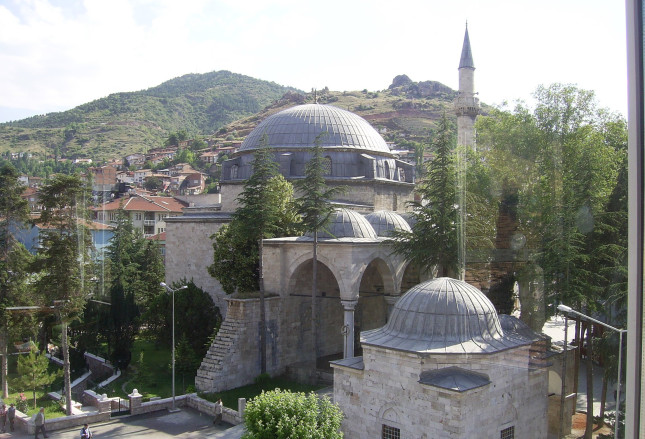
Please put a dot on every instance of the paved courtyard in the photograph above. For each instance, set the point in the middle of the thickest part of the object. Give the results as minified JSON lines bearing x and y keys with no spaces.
{"x":186,"y":424}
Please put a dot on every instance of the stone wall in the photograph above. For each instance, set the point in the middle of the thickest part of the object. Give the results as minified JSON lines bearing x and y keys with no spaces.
{"x":189,"y":251}
{"x":388,"y":392}
{"x":233,"y":359}
{"x":101,"y":368}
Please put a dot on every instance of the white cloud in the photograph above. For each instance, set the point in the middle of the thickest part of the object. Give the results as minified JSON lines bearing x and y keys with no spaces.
{"x":55,"y":56}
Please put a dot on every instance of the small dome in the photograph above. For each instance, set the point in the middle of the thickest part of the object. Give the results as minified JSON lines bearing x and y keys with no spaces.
{"x":384,"y":222}
{"x":443,"y":316}
{"x":409,"y":218}
{"x":298,"y":127}
{"x":346,"y":223}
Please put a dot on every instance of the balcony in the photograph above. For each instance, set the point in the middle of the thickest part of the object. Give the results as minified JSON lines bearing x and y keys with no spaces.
{"x":149,"y":222}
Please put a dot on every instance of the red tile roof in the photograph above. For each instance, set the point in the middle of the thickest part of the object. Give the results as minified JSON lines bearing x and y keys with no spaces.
{"x":145,"y":204}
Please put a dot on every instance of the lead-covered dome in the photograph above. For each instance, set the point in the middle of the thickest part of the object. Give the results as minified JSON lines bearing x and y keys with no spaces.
{"x":447,"y":316}
{"x":345,"y":223}
{"x":384,"y":222}
{"x":298,"y":127}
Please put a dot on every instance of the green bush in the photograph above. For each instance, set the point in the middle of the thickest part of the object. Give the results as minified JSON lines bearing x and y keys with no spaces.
{"x":282,"y":414}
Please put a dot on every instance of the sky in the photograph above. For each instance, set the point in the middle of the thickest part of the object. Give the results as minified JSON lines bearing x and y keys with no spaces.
{"x":58,"y":54}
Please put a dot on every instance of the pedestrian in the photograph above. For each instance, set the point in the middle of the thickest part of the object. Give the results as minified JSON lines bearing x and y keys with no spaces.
{"x":11,"y":414}
{"x":3,"y":417}
{"x":218,"y":412}
{"x":39,"y":420}
{"x":86,"y":433}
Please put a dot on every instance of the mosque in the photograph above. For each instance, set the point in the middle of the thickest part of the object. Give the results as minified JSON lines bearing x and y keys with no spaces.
{"x":435,"y":361}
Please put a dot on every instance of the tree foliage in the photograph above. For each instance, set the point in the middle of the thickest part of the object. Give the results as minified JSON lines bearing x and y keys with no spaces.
{"x":433,"y":240}
{"x":266,"y":210}
{"x":282,"y":414}
{"x":135,"y":272}
{"x":198,"y":317}
{"x":33,"y":372}
{"x":64,"y":260}
{"x":15,"y":263}
{"x":315,"y":207}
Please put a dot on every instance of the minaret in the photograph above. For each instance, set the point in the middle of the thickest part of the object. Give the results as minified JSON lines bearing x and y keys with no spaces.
{"x":467,"y":109}
{"x":466,"y":104}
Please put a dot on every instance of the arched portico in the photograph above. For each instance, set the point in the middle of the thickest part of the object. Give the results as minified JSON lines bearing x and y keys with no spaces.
{"x":329,"y":309}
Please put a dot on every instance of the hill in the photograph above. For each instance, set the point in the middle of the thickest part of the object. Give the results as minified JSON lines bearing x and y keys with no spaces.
{"x":133,"y":122}
{"x":406,"y":110}
{"x":217,"y":104}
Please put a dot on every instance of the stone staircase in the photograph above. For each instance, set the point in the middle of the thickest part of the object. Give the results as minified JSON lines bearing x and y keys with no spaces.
{"x":222,"y":348}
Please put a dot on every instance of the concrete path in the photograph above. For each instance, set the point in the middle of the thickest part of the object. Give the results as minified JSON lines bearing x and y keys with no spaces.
{"x":554,"y":328}
{"x":185,"y":424}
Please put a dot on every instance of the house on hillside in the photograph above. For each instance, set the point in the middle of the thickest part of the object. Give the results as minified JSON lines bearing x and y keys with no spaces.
{"x":141,"y":175}
{"x":147,"y":213}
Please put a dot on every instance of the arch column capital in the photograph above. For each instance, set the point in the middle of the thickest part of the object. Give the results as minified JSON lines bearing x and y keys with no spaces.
{"x":349,"y":305}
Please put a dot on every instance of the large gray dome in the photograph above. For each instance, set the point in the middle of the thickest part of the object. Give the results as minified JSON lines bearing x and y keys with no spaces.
{"x":298,"y":127}
{"x":347,"y":223}
{"x":444,"y":315}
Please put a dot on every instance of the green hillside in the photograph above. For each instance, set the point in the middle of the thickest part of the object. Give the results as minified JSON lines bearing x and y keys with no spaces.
{"x":132,"y":122}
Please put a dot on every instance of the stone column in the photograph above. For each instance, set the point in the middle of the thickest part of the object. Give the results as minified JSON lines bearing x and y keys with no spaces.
{"x":391,"y":301}
{"x":348,"y":327}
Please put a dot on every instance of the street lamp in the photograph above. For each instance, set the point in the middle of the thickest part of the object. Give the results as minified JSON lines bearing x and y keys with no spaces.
{"x":170,"y":290}
{"x":567,"y":310}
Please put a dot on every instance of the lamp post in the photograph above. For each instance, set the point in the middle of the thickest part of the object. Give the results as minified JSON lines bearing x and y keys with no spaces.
{"x":170,"y":290}
{"x":567,"y":310}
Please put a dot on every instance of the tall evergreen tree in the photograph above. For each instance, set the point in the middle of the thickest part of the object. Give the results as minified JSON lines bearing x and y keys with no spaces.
{"x":433,"y":240}
{"x":64,"y":263}
{"x":14,"y":214}
{"x":315,"y":207}
{"x":258,"y":219}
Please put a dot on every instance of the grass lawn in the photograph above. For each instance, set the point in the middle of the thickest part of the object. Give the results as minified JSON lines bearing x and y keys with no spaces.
{"x":153,"y":378}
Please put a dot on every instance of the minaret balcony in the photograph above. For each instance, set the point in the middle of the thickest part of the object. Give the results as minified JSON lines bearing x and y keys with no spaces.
{"x":466,"y":105}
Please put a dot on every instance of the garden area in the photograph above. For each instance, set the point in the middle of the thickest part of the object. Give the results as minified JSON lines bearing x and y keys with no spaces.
{"x":150,"y":374}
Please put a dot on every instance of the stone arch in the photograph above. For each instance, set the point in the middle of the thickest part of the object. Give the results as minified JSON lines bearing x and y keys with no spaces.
{"x":330,"y":310}
{"x":372,"y":310}
{"x":411,"y":276}
{"x":555,"y":383}
{"x":297,"y":264}
{"x":389,"y":415}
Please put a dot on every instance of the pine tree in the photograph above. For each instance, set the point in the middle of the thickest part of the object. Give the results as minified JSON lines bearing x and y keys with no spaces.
{"x":14,"y":258}
{"x":33,"y":372}
{"x":433,"y":240}
{"x":64,"y":263}
{"x":257,"y":218}
{"x":315,"y":207}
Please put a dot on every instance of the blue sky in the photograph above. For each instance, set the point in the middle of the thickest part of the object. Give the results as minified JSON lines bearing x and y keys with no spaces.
{"x":57,"y":54}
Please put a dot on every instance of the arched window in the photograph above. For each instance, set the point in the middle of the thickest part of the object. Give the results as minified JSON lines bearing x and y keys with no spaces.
{"x":327,"y":166}
{"x":234,"y":169}
{"x":401,"y":174}
{"x":387,"y":170}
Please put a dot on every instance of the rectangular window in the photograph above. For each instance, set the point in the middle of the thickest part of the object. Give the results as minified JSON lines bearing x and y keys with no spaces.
{"x":390,"y":432}
{"x":137,"y":216}
{"x":507,"y":433}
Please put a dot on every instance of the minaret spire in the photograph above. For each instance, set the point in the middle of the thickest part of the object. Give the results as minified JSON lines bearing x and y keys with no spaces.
{"x":466,"y":53}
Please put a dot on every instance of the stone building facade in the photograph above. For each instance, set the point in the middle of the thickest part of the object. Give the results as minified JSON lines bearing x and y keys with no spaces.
{"x":446,"y":366}
{"x":358,"y":282}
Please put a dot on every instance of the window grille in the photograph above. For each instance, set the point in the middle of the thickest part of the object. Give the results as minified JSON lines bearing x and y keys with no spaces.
{"x":327,"y":166}
{"x":390,"y":432}
{"x":507,"y":433}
